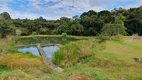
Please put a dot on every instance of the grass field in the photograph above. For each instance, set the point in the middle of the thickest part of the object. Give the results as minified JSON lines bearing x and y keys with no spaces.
{"x":114,"y":63}
{"x":117,"y":62}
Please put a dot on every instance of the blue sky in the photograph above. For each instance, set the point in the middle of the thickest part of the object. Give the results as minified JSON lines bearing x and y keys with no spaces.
{"x":54,"y":9}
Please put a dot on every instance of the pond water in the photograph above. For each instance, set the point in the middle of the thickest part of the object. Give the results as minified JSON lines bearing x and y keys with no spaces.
{"x":49,"y":50}
{"x":27,"y":44}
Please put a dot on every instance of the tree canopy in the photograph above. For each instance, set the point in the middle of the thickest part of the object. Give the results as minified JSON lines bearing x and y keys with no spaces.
{"x":88,"y":23}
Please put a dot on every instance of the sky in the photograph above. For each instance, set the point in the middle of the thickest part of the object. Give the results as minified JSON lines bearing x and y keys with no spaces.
{"x":54,"y":9}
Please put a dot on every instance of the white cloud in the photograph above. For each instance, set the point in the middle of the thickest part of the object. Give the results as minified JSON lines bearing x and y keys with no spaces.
{"x":138,"y":3}
{"x":72,"y":7}
{"x":24,"y":15}
{"x":60,"y":8}
{"x":5,"y":1}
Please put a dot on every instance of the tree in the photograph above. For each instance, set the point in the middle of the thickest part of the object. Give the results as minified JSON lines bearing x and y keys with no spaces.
{"x":91,"y":25}
{"x":120,"y":19}
{"x":41,"y":19}
{"x":89,"y":13}
{"x":5,"y":16}
{"x":133,"y":21}
{"x":105,"y":16}
{"x":113,"y":30}
{"x":6,"y":27}
{"x":75,"y":17}
{"x":76,"y":29}
{"x":63,"y":28}
{"x":44,"y":30}
{"x":64,"y":20}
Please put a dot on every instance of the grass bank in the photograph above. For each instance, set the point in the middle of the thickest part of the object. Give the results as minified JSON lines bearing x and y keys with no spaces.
{"x":68,"y":36}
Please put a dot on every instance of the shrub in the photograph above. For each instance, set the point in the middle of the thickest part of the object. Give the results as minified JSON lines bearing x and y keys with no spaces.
{"x":2,"y":67}
{"x":12,"y":43}
{"x":34,"y":33}
{"x":117,"y":38}
{"x":74,"y":52}
{"x":18,"y":32}
{"x":64,"y":34}
{"x":101,"y":38}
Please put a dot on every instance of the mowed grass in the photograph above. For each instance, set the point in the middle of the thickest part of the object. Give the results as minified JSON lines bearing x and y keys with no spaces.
{"x":126,"y":50}
{"x":117,"y":62}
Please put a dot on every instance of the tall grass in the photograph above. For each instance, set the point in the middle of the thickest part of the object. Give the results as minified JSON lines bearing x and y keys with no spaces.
{"x":74,"y":52}
{"x":20,"y":61}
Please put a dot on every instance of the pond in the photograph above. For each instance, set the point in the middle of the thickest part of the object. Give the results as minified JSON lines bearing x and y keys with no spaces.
{"x":49,"y":50}
{"x":26,"y":44}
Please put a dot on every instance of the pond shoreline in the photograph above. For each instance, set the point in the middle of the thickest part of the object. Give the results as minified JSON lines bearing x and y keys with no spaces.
{"x":34,"y":45}
{"x":69,"y":36}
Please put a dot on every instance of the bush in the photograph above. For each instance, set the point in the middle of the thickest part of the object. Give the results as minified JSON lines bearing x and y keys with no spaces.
{"x":102,"y":38}
{"x":12,"y":43}
{"x":3,"y":67}
{"x":117,"y":38}
{"x":74,"y":52}
{"x":11,"y":47}
{"x":18,"y":32}
{"x":64,"y":34}
{"x":34,"y":33}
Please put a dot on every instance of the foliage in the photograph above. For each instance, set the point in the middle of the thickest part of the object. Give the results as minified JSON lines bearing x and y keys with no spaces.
{"x":73,"y":52}
{"x":12,"y":43}
{"x":3,"y":67}
{"x":101,"y":38}
{"x":5,"y":16}
{"x":120,"y":19}
{"x":64,"y":28}
{"x":88,"y":24}
{"x":117,"y":38}
{"x":34,"y":33}
{"x":6,"y":27}
{"x":18,"y":32}
{"x":76,"y":28}
{"x":64,"y":34}
{"x":113,"y":30}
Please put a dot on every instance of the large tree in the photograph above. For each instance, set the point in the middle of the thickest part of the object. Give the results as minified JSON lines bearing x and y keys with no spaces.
{"x":113,"y":30}
{"x":6,"y":27}
{"x":5,"y":16}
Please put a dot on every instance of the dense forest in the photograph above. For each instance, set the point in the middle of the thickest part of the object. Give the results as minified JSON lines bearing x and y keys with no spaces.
{"x":89,"y":23}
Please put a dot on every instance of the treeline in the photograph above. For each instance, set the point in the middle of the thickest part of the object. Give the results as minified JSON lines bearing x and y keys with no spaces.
{"x":89,"y":23}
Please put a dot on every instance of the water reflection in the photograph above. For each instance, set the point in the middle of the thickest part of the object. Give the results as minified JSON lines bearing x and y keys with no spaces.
{"x":49,"y":50}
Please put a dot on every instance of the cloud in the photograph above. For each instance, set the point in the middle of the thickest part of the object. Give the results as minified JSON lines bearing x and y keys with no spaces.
{"x":54,"y":9}
{"x":23,"y":15}
{"x":138,"y":3}
{"x":5,"y":1}
{"x":72,"y":7}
